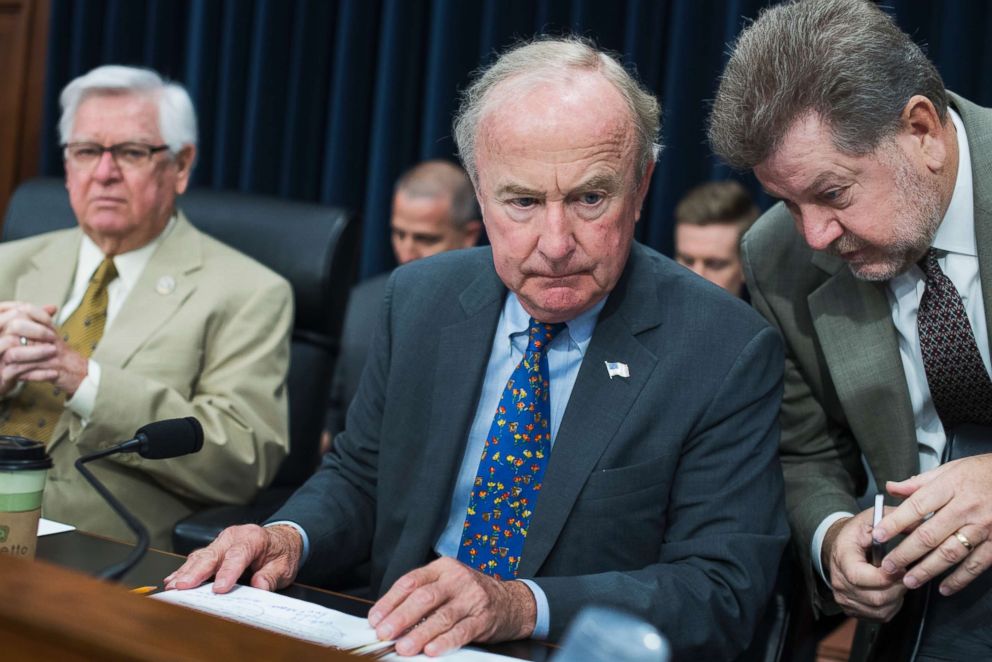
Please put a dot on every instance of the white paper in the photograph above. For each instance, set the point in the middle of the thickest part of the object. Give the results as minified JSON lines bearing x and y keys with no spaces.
{"x":47,"y":527}
{"x":296,"y":618}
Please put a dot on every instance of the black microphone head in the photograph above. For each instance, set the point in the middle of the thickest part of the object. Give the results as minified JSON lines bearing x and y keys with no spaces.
{"x":170,"y":438}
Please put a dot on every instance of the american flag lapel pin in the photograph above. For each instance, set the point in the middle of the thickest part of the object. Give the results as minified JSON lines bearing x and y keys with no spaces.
{"x":617,"y":369}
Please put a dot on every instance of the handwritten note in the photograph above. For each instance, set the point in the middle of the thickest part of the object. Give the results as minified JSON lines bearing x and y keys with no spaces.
{"x":296,"y":618}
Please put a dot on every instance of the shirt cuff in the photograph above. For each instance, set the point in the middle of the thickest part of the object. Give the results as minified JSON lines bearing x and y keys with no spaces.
{"x":303,"y":534}
{"x":817,"y":546}
{"x":543,"y":623}
{"x":83,"y":401}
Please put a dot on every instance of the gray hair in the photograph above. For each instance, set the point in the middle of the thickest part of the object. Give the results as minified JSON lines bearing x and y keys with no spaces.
{"x":176,"y":117}
{"x":548,"y":59}
{"x":440,"y":178}
{"x":844,"y":60}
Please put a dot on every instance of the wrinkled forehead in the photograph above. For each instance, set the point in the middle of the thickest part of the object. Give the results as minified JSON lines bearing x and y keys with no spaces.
{"x":557,"y":117}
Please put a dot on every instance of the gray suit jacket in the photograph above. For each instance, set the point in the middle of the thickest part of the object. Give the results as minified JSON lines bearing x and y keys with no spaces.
{"x":845,"y":389}
{"x":663,"y":492}
{"x":216,"y":346}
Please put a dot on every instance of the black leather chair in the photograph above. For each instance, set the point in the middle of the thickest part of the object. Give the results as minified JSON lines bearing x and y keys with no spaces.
{"x":312,"y":246}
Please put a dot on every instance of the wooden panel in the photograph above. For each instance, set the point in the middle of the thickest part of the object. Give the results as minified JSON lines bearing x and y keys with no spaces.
{"x":48,"y":612}
{"x":23,"y":36}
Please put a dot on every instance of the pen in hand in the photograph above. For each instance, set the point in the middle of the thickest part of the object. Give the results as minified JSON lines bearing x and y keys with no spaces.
{"x":877,"y":552}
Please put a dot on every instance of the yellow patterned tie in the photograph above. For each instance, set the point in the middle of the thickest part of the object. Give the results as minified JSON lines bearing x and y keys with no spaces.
{"x":34,"y":413}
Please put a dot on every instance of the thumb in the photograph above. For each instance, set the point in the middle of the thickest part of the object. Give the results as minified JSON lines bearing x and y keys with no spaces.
{"x":262,"y":580}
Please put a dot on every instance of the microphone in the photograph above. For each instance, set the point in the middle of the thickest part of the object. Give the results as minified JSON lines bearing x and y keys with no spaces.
{"x":164,"y":439}
{"x":173,"y":437}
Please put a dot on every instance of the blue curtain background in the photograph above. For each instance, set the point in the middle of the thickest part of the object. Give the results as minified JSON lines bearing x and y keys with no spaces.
{"x":330,"y":100}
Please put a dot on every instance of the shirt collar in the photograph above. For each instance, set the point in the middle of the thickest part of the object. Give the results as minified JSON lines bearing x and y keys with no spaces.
{"x":956,"y":233}
{"x":129,"y":265}
{"x":516,"y":321}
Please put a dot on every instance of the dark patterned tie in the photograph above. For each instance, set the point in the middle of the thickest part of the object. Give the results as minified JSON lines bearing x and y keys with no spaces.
{"x":35,"y":411}
{"x":959,"y":384}
{"x":511,"y":469}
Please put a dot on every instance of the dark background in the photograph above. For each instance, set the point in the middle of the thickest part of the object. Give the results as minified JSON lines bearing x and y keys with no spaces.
{"x":329,"y":100}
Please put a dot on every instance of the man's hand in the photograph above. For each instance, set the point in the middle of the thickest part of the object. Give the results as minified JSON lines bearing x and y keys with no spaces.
{"x":273,"y":553}
{"x":861,"y":589}
{"x":959,"y":494}
{"x":19,"y":358}
{"x":446,"y":604}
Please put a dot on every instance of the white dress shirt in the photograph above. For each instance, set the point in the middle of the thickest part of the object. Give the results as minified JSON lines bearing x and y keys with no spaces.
{"x":955,"y":238}
{"x":129,"y":267}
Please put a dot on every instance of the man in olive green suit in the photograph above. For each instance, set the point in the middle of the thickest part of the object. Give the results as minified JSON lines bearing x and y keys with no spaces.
{"x":190,"y":327}
{"x":843,"y":118}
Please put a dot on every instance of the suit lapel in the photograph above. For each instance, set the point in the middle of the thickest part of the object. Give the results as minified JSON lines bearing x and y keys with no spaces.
{"x":979,"y":131}
{"x":597,"y":405}
{"x":54,"y":267}
{"x":853,"y":322}
{"x":462,"y":356}
{"x":166,"y":282}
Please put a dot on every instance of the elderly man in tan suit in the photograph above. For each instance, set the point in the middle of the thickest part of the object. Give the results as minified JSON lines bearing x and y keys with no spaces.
{"x":136,"y":316}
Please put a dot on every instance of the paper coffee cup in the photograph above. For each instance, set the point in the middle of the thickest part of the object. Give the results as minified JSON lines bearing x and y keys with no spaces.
{"x":24,"y":464}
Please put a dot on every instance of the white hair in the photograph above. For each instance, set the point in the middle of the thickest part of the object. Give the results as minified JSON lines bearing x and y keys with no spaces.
{"x":176,"y":117}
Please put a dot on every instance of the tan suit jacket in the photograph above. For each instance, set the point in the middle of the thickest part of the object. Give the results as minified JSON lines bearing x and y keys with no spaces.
{"x":845,"y":388}
{"x":215,"y":345}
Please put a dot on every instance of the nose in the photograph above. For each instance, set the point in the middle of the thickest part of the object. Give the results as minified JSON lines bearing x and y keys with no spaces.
{"x":557,"y":240}
{"x":106,"y":168}
{"x":819,"y":226}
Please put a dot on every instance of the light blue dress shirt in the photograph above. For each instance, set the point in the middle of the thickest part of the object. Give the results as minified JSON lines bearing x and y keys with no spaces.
{"x":509,"y":344}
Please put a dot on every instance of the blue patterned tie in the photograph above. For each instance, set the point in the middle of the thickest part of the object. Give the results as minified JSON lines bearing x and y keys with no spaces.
{"x":512,"y":466}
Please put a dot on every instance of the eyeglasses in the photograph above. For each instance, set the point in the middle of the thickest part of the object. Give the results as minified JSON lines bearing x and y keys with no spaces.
{"x":129,"y":156}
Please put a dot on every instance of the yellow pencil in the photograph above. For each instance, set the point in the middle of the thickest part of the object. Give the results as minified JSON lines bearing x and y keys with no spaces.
{"x":144,"y":590}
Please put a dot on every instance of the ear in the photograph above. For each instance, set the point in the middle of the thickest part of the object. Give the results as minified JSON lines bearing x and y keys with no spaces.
{"x":924,"y":135}
{"x":642,"y":189}
{"x":471,"y":234}
{"x":184,"y":165}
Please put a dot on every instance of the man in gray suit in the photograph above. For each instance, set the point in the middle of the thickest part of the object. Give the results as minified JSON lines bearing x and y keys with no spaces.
{"x":876,"y":271}
{"x":660,"y":490}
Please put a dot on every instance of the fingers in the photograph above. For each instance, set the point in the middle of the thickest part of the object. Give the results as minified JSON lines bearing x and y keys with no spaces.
{"x":934,"y":535}
{"x":974,"y":564}
{"x":948,"y":553}
{"x":277,"y":566}
{"x":18,"y":316}
{"x":389,"y":625}
{"x":227,"y":557}
{"x":861,"y":589}
{"x":446,"y":604}
{"x":929,"y":498}
{"x":32,"y":353}
{"x":879,"y":606}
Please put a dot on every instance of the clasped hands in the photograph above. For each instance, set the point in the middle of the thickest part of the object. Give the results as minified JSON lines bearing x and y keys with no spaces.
{"x":947,"y":518}
{"x":32,"y":350}
{"x":433,"y":609}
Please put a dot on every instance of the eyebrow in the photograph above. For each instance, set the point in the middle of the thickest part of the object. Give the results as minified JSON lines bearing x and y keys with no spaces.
{"x":815,"y":186}
{"x":608,"y":182}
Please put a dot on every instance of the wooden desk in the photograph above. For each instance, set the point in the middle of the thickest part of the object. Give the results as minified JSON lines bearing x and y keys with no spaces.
{"x":52,"y":613}
{"x":89,"y":553}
